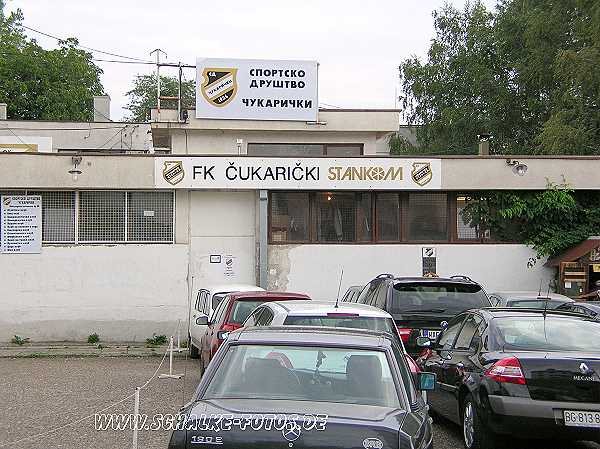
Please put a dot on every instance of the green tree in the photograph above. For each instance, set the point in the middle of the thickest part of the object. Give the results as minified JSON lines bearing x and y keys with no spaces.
{"x":142,"y":97}
{"x":525,"y":73}
{"x":40,"y":84}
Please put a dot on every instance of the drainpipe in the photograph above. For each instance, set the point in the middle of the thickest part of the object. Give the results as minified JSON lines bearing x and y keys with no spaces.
{"x":262,"y":238}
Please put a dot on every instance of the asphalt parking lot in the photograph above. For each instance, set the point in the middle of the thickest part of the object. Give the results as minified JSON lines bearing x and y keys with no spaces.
{"x":40,"y":394}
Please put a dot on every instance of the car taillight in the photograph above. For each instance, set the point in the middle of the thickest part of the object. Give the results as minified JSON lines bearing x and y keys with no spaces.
{"x":404,"y":333}
{"x":507,"y":371}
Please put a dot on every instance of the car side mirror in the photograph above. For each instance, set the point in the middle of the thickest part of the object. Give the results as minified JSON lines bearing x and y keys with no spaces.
{"x":426,"y":381}
{"x":202,"y":320}
{"x":424,"y":342}
{"x":222,"y":335}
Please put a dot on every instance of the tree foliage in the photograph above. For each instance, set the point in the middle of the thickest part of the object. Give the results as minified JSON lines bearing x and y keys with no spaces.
{"x":551,"y":221}
{"x":142,"y":97}
{"x":525,"y":73}
{"x":40,"y":84}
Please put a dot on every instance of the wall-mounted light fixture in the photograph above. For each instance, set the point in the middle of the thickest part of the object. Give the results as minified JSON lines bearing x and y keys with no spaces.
{"x":75,"y":172}
{"x":518,"y":168}
{"x":240,"y":143}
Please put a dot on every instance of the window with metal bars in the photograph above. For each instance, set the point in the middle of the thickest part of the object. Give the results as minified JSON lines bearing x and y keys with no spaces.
{"x":427,"y":217}
{"x":305,"y":149}
{"x":101,"y":216}
{"x":58,"y":216}
{"x":149,"y":216}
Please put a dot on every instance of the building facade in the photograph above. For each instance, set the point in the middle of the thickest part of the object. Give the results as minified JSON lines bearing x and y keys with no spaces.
{"x":129,"y":242}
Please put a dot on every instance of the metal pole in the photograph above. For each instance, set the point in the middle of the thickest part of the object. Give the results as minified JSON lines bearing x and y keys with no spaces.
{"x":158,"y":51}
{"x":263,"y":240}
{"x":136,"y":412}
{"x":171,"y":356}
{"x":179,"y":111}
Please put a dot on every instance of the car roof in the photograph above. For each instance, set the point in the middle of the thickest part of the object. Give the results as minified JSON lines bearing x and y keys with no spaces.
{"x":303,"y":335}
{"x":322,"y":308}
{"x":529,"y":295}
{"x":436,"y":280}
{"x":228,"y":288}
{"x":267,"y":296}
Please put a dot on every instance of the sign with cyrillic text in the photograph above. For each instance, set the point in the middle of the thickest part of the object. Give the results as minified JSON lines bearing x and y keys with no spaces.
{"x":256,"y":89}
{"x":21,"y":224}
{"x":198,"y":172}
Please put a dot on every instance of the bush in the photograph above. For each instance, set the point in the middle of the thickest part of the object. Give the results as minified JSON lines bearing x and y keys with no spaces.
{"x":19,"y":340}
{"x":93,"y":338}
{"x":156,"y":340}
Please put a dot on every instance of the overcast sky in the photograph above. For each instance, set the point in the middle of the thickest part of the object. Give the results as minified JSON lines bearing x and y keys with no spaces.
{"x":358,"y":44}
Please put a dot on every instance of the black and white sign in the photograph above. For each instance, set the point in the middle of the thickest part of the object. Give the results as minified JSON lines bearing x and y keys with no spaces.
{"x":256,"y":89}
{"x":429,"y":260}
{"x":196,"y":172}
{"x":21,"y":224}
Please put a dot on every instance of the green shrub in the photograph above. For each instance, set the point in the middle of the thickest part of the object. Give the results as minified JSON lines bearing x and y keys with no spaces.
{"x":93,"y":338}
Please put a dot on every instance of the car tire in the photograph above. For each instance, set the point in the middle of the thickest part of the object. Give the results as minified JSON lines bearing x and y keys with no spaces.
{"x":193,"y":350}
{"x":476,"y":434}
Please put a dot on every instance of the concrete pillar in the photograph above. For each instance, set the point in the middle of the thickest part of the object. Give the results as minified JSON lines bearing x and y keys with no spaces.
{"x":263,"y":238}
{"x":101,"y":108}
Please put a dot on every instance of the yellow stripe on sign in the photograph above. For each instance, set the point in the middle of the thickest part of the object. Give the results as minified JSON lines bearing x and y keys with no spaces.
{"x":20,"y":147}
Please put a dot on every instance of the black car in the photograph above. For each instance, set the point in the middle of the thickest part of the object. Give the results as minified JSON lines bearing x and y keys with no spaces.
{"x":526,"y":373}
{"x":590,"y":309}
{"x":422,"y":306}
{"x":303,"y":387}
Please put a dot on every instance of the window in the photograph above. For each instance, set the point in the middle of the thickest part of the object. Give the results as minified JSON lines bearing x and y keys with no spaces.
{"x":273,"y":372}
{"x":58,"y":216}
{"x":469,"y":330}
{"x":465,"y":229}
{"x":241,"y":310}
{"x":336,"y":217}
{"x":428,"y":216}
{"x":388,"y":217}
{"x":149,"y":216}
{"x":253,"y":317}
{"x":447,"y":336}
{"x":289,"y":216}
{"x":265,"y":318}
{"x":219,"y":310}
{"x":304,"y":149}
{"x":449,"y":298}
{"x":102,"y":216}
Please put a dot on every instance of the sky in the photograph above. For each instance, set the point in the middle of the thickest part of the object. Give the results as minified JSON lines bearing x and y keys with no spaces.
{"x":358,"y":44}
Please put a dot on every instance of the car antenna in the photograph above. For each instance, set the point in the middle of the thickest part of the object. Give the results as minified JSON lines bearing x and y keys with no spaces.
{"x":337,"y":300}
{"x":546,"y":299}
{"x":540,"y":289}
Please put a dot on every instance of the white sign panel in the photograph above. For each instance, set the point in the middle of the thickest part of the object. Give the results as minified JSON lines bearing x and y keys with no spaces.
{"x":21,"y":224}
{"x":428,"y":251}
{"x":197,"y":172}
{"x":256,"y":89}
{"x":22,"y":144}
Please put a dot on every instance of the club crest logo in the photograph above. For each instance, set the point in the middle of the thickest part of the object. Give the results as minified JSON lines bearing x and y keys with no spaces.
{"x":421,"y":173}
{"x":219,"y":86}
{"x":173,"y":172}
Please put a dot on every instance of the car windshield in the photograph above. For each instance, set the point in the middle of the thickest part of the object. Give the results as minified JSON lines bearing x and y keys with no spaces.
{"x":550,"y":334}
{"x":536,"y":303}
{"x":241,"y":310}
{"x":304,"y":373}
{"x":427,"y":297}
{"x":380,"y":324}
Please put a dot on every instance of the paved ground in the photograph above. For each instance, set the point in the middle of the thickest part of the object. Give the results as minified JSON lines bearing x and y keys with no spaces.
{"x":39,"y":394}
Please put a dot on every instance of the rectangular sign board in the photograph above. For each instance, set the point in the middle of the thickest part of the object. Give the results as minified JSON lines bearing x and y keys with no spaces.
{"x":255,"y":173}
{"x":25,"y":144}
{"x":256,"y":89}
{"x":21,"y":224}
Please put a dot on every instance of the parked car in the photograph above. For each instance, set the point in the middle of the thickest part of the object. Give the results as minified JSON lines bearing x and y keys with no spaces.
{"x":203,"y":306}
{"x":522,"y":372}
{"x":352,"y":293}
{"x":319,"y":314}
{"x":590,"y":309}
{"x":231,"y":313}
{"x":421,"y":306}
{"x":307,"y":388}
{"x":528,"y":299}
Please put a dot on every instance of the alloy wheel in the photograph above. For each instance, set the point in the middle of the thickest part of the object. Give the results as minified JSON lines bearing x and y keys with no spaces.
{"x":468,"y":425}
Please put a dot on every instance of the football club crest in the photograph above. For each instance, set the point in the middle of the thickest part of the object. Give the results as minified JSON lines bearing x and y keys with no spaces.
{"x":421,"y":173}
{"x":219,"y":86}
{"x":173,"y":172}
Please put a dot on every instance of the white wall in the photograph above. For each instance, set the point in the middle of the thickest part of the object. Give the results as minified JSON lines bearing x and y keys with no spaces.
{"x":315,"y":269}
{"x":122,"y":292}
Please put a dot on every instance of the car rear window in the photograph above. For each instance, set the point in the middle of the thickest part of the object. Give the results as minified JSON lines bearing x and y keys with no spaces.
{"x":304,"y":373}
{"x":535,"y":303}
{"x":427,"y":297}
{"x":380,"y":324}
{"x":550,"y":334}
{"x":241,"y":310}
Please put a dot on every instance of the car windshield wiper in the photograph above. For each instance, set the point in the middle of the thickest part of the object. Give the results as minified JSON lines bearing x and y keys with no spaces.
{"x":424,"y":310}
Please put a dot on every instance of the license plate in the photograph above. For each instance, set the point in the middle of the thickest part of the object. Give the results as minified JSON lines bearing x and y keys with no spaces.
{"x":432,"y":335}
{"x":580,"y":418}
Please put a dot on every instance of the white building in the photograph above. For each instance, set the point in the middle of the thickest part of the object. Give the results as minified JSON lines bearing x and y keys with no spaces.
{"x":129,"y":243}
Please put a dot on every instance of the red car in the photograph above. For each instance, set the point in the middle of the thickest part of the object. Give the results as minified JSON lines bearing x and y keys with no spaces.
{"x":231,"y":314}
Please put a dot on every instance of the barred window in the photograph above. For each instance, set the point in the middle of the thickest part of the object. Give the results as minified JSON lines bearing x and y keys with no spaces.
{"x":289,"y":216}
{"x":58,"y":216}
{"x":465,"y":229}
{"x":427,"y":216}
{"x":305,"y":149}
{"x":149,"y":216}
{"x":343,"y":217}
{"x":102,"y":216}
{"x":388,"y":217}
